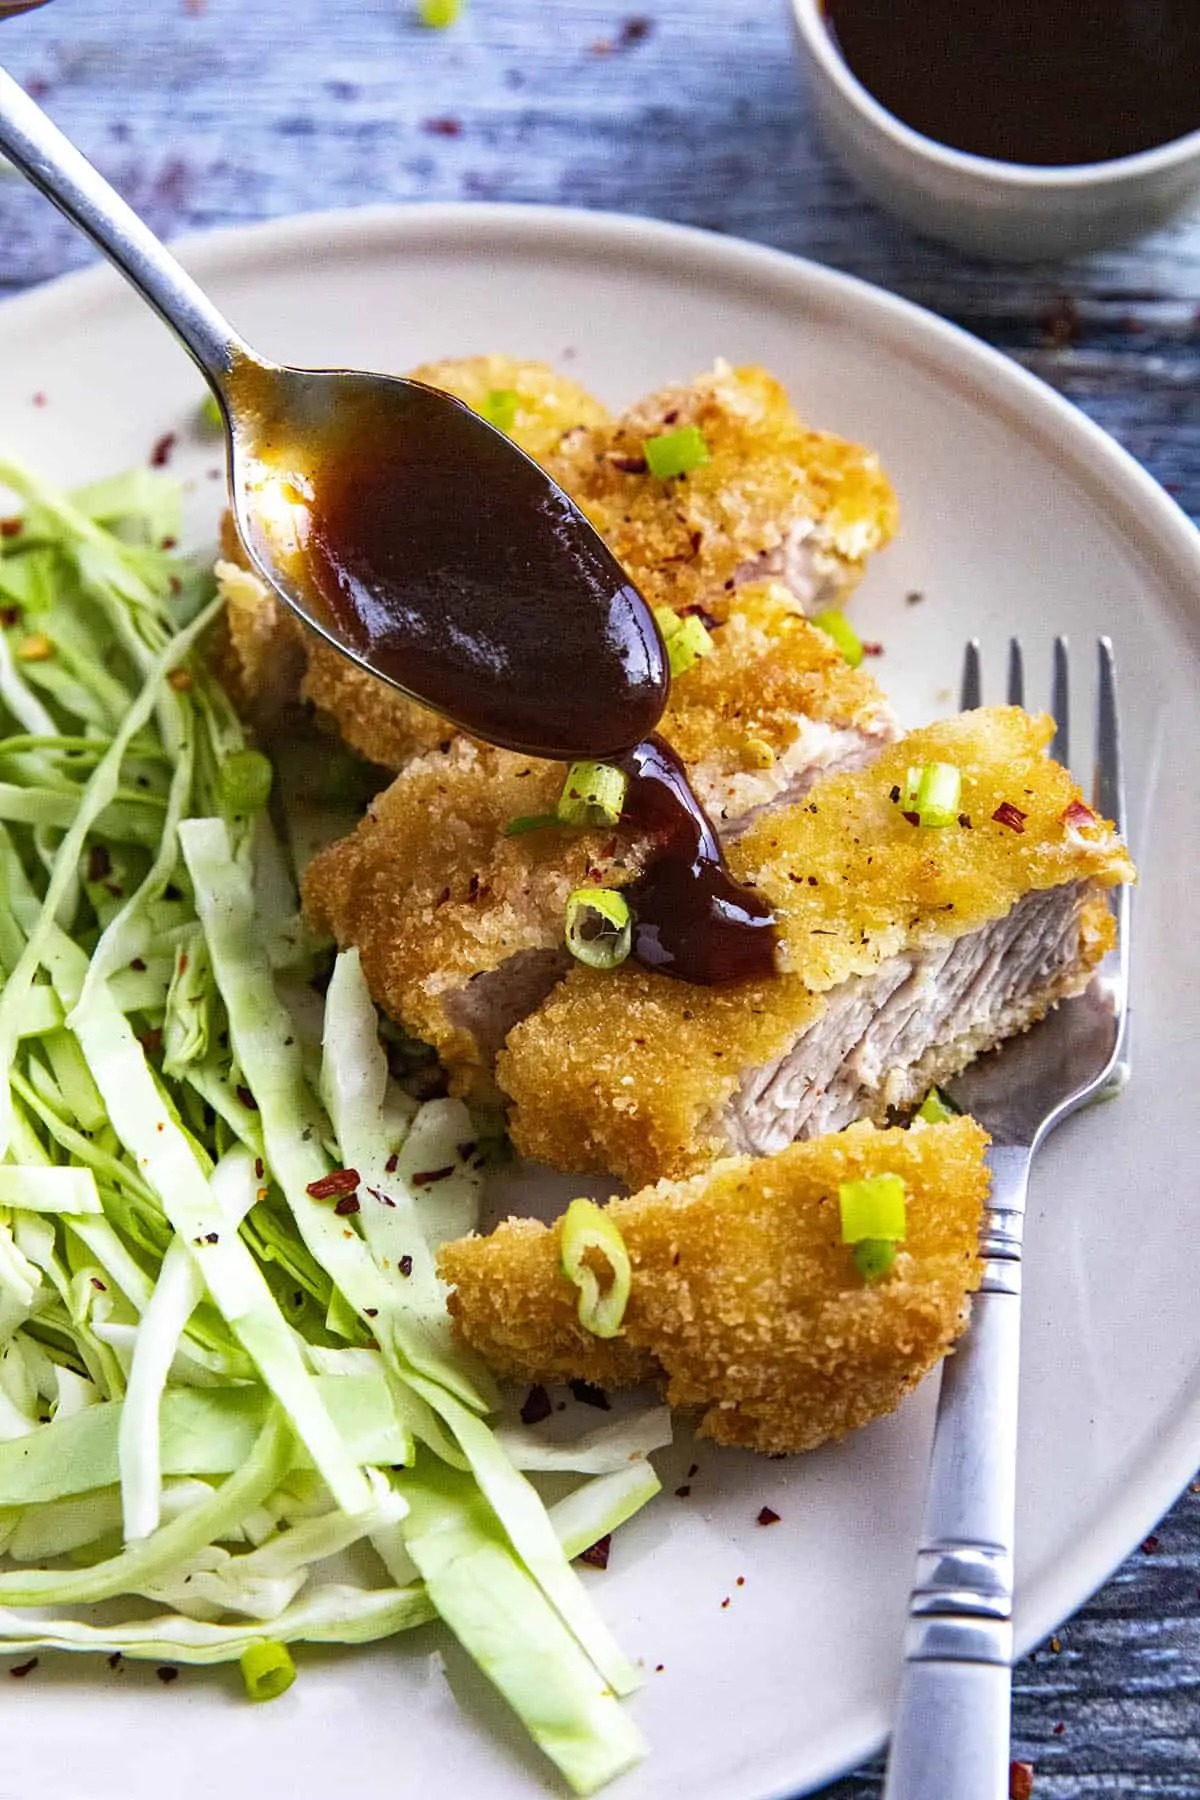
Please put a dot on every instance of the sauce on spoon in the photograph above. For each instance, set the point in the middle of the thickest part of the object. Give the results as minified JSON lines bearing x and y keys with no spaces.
{"x":452,"y":564}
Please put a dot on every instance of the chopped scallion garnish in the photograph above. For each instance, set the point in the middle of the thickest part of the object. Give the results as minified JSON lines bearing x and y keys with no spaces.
{"x":593,"y":794}
{"x":267,"y":1670}
{"x":500,"y":408}
{"x":874,"y":1257}
{"x":587,"y":1230}
{"x":246,"y":778}
{"x":933,"y":792}
{"x":676,"y":452}
{"x":936,"y":1108}
{"x":439,"y":13}
{"x":837,"y":626}
{"x":599,"y":927}
{"x":872,"y":1208}
{"x":685,"y":636}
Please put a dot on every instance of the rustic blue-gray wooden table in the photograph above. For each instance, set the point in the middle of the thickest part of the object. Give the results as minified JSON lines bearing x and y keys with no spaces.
{"x":208,"y":112}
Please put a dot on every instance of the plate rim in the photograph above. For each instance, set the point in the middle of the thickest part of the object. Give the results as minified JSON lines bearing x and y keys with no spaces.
{"x":1141,"y":508}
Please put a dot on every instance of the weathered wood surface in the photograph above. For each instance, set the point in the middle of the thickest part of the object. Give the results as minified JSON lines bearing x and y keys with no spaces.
{"x":210,"y":113}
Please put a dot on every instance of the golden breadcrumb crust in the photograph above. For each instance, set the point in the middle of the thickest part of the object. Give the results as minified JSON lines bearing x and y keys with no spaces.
{"x":744,"y":1297}
{"x":685,"y":540}
{"x":625,"y":1070}
{"x":433,"y":893}
{"x":548,"y":405}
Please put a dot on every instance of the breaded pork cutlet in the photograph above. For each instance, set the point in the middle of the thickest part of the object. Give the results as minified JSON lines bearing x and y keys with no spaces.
{"x":270,"y":661}
{"x":744,"y":1299}
{"x":773,"y":499}
{"x":905,"y":951}
{"x":460,"y":927}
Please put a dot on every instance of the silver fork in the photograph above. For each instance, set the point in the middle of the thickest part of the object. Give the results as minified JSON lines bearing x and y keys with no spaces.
{"x":952,"y":1728}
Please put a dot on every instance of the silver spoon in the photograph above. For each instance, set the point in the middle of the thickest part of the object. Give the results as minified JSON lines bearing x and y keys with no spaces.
{"x":470,"y":581}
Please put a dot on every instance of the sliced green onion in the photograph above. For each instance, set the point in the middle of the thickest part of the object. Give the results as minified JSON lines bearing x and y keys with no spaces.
{"x":500,"y":408}
{"x":586,"y":1228}
{"x":872,"y":1208}
{"x":530,"y":822}
{"x":936,"y":1108}
{"x":599,"y":927}
{"x":874,"y":1257}
{"x":685,"y":637}
{"x":209,"y":413}
{"x":933,"y":792}
{"x":267,"y":1670}
{"x":439,"y":13}
{"x":246,"y":778}
{"x":837,"y":626}
{"x":593,"y":794}
{"x":676,"y":452}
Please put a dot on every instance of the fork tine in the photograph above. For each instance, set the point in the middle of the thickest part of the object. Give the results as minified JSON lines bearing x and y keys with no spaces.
{"x":1110,"y":784}
{"x":1016,"y":673}
{"x":1060,"y":704}
{"x":971,"y":693}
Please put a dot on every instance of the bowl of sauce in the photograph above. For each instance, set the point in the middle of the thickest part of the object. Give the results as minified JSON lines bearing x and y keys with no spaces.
{"x":1018,"y":129}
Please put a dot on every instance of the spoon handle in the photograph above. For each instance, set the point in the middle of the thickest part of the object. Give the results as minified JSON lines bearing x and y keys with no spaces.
{"x":52,"y":163}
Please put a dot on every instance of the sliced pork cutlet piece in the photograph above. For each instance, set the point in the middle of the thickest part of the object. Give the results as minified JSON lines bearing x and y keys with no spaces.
{"x":905,"y":951}
{"x":774,"y":499}
{"x":744,"y":1300}
{"x":461,"y":927}
{"x":773,"y":708}
{"x":271,"y":662}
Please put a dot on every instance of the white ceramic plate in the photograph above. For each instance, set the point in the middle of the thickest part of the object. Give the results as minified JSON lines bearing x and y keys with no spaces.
{"x":1018,"y":515}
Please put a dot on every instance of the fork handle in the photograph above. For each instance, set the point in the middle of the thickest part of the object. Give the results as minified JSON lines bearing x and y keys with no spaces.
{"x":951,"y":1735}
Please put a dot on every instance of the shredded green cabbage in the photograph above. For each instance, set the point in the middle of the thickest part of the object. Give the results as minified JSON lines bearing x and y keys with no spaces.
{"x":215,"y":1377}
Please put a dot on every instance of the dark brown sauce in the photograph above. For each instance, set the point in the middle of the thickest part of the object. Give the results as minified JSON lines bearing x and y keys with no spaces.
{"x":1044,"y":82}
{"x":453,"y":565}
{"x":691,"y":919}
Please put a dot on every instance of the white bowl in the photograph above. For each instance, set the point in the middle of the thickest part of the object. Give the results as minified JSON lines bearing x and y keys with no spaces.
{"x":992,"y":208}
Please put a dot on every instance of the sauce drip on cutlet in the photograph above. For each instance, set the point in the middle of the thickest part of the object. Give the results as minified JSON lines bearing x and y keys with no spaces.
{"x":453,"y":565}
{"x":692,"y":919}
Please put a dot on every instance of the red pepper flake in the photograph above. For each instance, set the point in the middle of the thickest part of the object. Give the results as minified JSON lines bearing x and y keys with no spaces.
{"x":1060,"y":323}
{"x":629,"y":465}
{"x":211,"y":1237}
{"x":138,"y":964}
{"x":405,"y":1264}
{"x":160,"y":454}
{"x":1020,"y":1780}
{"x":166,"y":1674}
{"x":588,"y":1395}
{"x":964,"y":820}
{"x":10,"y":615}
{"x":446,"y":126}
{"x":99,"y":863}
{"x":392,"y":1161}
{"x":536,"y":1405}
{"x":246,"y":1097}
{"x":168,"y":543}
{"x":1151,"y":1545}
{"x":681,"y":1493}
{"x":20,"y":1670}
{"x":634,"y":31}
{"x":694,"y":1470}
{"x":871,"y":648}
{"x":659,"y":1667}
{"x":767,"y":1515}
{"x":596,"y":1556}
{"x":1012,"y":816}
{"x":1059,"y":1728}
{"x":151,"y":1040}
{"x":11,"y":528}
{"x":1079,"y":816}
{"x":259,"y":1168}
{"x":180,"y":680}
{"x":337,"y":1182}
{"x":741,"y":1581}
{"x":115,"y":1660}
{"x":725,"y":1603}
{"x":98,"y":1285}
{"x":912,"y":817}
{"x":39,"y":399}
{"x":427,"y":1177}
